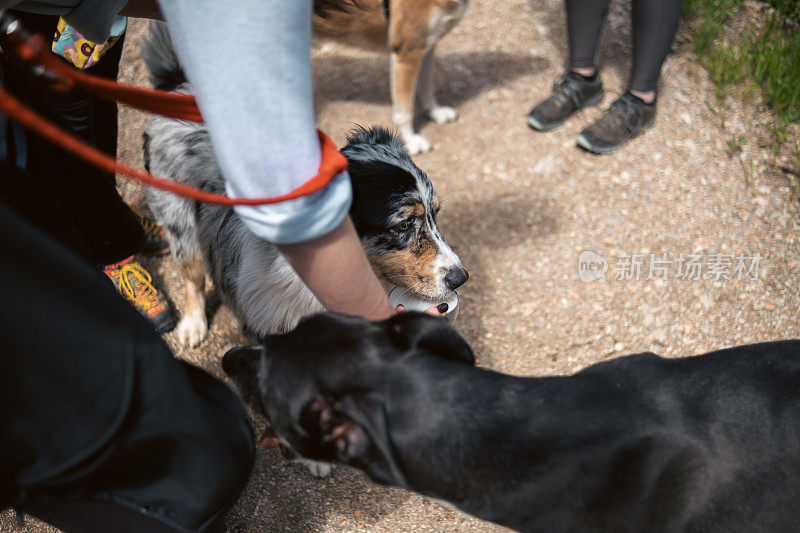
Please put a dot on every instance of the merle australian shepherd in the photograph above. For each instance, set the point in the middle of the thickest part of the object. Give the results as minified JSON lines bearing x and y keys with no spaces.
{"x":394,"y":211}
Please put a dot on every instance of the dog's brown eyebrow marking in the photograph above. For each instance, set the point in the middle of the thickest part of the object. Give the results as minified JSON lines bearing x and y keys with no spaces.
{"x":414,"y":210}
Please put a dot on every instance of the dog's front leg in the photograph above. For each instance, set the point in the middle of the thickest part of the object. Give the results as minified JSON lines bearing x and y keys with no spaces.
{"x":193,"y":326}
{"x":317,"y":468}
{"x":405,"y":72}
{"x":438,"y":113}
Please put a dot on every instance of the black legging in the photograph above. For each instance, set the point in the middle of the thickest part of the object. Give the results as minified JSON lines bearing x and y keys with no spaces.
{"x":654,"y":25}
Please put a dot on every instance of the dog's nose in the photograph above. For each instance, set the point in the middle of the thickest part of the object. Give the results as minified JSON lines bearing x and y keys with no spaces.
{"x":456,"y":277}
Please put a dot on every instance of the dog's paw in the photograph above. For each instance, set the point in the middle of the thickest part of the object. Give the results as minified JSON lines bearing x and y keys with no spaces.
{"x":417,"y":144}
{"x":192,"y":328}
{"x":317,"y":468}
{"x":443,"y":114}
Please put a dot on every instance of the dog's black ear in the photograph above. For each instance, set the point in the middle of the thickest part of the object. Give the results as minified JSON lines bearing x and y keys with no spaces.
{"x":353,"y":431}
{"x":241,"y":365}
{"x":434,"y":334}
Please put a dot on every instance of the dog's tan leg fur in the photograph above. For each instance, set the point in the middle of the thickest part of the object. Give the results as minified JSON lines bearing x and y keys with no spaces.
{"x":408,"y":41}
{"x":193,"y":326}
{"x":427,"y":94}
{"x":405,"y":72}
{"x":415,"y":26}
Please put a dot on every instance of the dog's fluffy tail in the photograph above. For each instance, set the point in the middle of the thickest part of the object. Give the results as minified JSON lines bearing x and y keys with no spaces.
{"x":160,"y":58}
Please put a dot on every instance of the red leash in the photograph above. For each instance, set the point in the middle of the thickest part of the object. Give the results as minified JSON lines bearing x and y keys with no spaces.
{"x":32,"y":51}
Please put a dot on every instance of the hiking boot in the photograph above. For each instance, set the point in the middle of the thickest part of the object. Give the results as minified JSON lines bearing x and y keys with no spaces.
{"x":136,"y":285}
{"x":625,"y":119}
{"x":156,"y":243}
{"x":570,"y":93}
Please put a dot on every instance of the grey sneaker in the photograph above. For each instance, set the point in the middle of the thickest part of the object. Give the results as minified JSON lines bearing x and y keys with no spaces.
{"x":625,"y":119}
{"x":570,"y":93}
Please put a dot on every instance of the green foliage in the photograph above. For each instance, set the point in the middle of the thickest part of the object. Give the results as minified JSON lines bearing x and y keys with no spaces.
{"x":777,"y":134}
{"x":736,"y":144}
{"x":768,"y":57}
{"x":790,"y":8}
{"x":775,"y":65}
{"x":765,"y":60}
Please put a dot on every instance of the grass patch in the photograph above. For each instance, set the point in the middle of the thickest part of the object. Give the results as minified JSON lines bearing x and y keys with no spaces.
{"x":763,"y":59}
{"x":775,"y":65}
{"x":768,"y":57}
{"x":790,"y":8}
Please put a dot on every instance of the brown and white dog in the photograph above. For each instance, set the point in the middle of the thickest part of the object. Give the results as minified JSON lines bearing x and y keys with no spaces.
{"x":410,"y":29}
{"x":394,"y":210}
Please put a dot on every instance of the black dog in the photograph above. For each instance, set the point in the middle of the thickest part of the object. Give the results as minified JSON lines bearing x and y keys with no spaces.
{"x":638,"y":443}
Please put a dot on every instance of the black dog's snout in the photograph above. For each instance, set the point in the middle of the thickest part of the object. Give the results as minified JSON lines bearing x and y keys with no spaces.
{"x":456,"y":277}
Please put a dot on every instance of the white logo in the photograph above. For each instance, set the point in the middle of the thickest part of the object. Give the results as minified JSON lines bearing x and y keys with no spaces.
{"x":591,"y":266}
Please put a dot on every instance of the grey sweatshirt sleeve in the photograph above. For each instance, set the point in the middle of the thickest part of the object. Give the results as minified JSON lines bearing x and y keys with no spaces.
{"x":249,"y":62}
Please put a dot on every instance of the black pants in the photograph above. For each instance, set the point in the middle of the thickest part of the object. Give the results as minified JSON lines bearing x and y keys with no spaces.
{"x":102,"y":428}
{"x":654,"y":25}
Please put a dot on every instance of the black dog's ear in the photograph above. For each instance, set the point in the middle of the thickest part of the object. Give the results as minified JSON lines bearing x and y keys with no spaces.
{"x":241,"y":365}
{"x":353,"y":431}
{"x":419,"y":330}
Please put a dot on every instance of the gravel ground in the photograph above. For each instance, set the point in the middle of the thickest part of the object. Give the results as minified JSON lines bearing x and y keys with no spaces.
{"x":520,"y":207}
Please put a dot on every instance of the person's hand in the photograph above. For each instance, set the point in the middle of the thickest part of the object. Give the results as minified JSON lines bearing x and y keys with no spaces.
{"x":435,"y":310}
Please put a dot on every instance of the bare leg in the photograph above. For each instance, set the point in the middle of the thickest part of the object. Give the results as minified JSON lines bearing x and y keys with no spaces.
{"x":193,"y":326}
{"x":405,"y":71}
{"x":646,"y":96}
{"x":587,"y":71}
{"x":427,"y":94}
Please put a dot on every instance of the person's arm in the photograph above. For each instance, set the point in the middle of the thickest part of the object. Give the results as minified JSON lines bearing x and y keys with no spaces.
{"x":337,"y":272}
{"x":255,"y":92}
{"x":249,"y":63}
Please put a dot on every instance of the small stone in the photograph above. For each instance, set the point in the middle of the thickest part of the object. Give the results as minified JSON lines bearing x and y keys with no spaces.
{"x":660,"y":335}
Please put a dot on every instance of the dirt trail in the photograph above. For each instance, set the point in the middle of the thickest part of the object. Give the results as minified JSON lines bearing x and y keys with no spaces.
{"x":520,"y":207}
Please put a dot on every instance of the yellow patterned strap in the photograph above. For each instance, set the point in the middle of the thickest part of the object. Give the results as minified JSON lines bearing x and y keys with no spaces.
{"x":81,"y":52}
